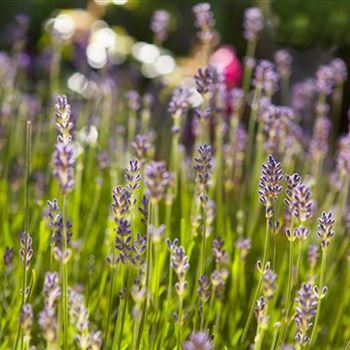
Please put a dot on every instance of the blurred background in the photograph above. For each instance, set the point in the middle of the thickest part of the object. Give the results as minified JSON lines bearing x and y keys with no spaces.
{"x":312,"y":30}
{"x":302,"y":24}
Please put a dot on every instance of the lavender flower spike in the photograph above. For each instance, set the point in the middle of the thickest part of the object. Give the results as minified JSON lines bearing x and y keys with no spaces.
{"x":325,"y":229}
{"x":340,"y":72}
{"x":253,"y":23}
{"x":63,"y":119}
{"x":206,"y":79}
{"x":203,"y":168}
{"x":159,"y":25}
{"x":179,"y":263}
{"x":26,"y":319}
{"x":270,"y":184}
{"x":324,"y":81}
{"x":198,"y":341}
{"x":283,"y":62}
{"x":302,"y":204}
{"x":157,"y":179}
{"x":179,"y":101}
{"x":266,"y":78}
{"x":205,"y":21}
{"x":305,"y":311}
{"x":63,"y":166}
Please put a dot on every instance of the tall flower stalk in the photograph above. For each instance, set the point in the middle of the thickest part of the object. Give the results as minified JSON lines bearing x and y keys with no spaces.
{"x":270,"y":187}
{"x":253,"y":24}
{"x":179,"y":263}
{"x":63,"y":170}
{"x":203,"y":168}
{"x":26,"y":251}
{"x":325,"y":233}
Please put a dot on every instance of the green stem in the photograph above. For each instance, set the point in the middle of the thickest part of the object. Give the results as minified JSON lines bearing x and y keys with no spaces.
{"x":110,"y":300}
{"x":148,"y":271}
{"x":289,"y":290}
{"x":179,"y":327}
{"x":64,"y":266}
{"x":318,"y":311}
{"x":247,"y":68}
{"x":28,"y":156}
{"x":251,"y":311}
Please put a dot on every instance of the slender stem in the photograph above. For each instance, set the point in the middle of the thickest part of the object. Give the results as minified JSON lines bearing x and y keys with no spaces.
{"x":318,"y":311}
{"x":148,"y":268}
{"x":204,"y":239}
{"x":64,"y":266}
{"x":28,"y":155}
{"x":110,"y":300}
{"x":167,"y":303}
{"x":274,"y":339}
{"x":289,"y":290}
{"x":247,"y":67}
{"x":300,"y":252}
{"x":179,"y":333}
{"x":251,"y":128}
{"x":251,"y":311}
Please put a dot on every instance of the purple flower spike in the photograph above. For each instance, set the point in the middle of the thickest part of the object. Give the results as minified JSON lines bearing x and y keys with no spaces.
{"x":160,"y":24}
{"x":204,"y":289}
{"x":198,"y":341}
{"x":133,"y":100}
{"x":8,"y":257}
{"x":205,"y":21}
{"x":157,"y":179}
{"x":301,"y":232}
{"x":260,"y":310}
{"x":123,"y":241}
{"x":244,"y":245}
{"x":325,"y":229}
{"x":269,"y":288}
{"x":305,"y":312}
{"x":203,"y":168}
{"x":26,"y":318}
{"x":270,"y":184}
{"x":313,"y":255}
{"x":207,"y":79}
{"x":283,"y":62}
{"x":325,"y":79}
{"x":64,"y":124}
{"x":253,"y":23}
{"x":340,"y":72}
{"x":63,"y":166}
{"x":179,"y":101}
{"x":266,"y":78}
{"x":121,"y":203}
{"x":179,"y":263}
{"x":302,"y":205}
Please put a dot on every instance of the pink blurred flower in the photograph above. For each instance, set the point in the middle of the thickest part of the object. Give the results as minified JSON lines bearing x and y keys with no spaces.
{"x":226,"y":61}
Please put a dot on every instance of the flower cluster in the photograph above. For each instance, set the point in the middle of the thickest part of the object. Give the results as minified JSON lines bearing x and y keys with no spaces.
{"x":198,"y":341}
{"x":283,"y":61}
{"x":266,"y":78}
{"x":203,"y":168}
{"x":253,"y":23}
{"x":64,"y":153}
{"x":179,"y":263}
{"x":270,"y":184}
{"x":204,"y":21}
{"x":305,"y":311}
{"x":159,"y":25}
{"x":86,"y":337}
{"x":47,"y":317}
{"x":157,"y":179}
{"x":325,"y":229}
